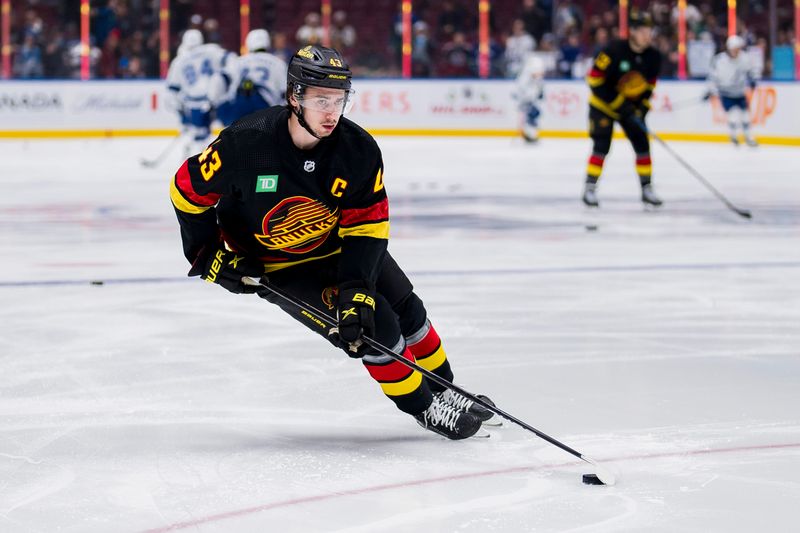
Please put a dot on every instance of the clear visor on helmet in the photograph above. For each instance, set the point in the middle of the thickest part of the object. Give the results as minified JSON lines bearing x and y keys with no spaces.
{"x":339,"y":103}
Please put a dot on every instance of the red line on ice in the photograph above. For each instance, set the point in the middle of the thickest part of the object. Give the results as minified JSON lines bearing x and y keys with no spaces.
{"x":391,"y":486}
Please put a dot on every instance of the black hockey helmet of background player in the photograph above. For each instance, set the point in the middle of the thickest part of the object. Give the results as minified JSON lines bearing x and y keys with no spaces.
{"x":637,"y":19}
{"x":317,"y":66}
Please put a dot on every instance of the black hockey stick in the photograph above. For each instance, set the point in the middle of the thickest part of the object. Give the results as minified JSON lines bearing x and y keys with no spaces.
{"x":151,"y":163}
{"x":741,"y":212}
{"x":602,"y":473}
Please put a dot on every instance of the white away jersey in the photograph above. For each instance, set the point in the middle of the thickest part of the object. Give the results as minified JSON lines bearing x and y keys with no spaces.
{"x":266,"y":72}
{"x":191,"y":72}
{"x":731,"y":76}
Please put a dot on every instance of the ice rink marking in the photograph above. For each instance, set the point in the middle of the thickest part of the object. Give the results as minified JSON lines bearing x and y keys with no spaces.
{"x":445,"y":273}
{"x":428,"y":481}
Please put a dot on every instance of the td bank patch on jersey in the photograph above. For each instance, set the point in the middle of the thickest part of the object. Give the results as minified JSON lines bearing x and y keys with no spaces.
{"x":297,"y":225}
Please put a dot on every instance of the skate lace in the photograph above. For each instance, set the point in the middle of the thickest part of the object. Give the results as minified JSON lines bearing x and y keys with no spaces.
{"x":441,"y":414}
{"x":458,"y":401}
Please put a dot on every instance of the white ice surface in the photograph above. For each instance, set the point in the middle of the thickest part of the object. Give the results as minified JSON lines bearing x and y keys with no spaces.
{"x":665,"y":345}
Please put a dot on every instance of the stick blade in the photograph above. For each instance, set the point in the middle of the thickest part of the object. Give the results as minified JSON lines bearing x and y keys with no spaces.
{"x":603,"y":474}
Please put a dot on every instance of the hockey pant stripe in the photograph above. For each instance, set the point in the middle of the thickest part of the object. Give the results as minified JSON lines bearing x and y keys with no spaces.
{"x":426,"y":346}
{"x":395,"y":378}
{"x":595,"y":167}
{"x":644,"y":165}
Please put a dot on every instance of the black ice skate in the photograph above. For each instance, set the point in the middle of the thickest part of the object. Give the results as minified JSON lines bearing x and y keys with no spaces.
{"x":750,"y":141}
{"x":464,"y":404}
{"x":590,"y":195}
{"x":649,"y":196}
{"x":444,"y":419}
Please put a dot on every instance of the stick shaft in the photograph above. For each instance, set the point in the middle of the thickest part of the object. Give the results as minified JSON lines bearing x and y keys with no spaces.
{"x":328,"y":320}
{"x":697,"y":175}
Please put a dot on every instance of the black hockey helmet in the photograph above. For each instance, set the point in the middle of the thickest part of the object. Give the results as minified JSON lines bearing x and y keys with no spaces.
{"x":637,"y":19}
{"x":317,"y":66}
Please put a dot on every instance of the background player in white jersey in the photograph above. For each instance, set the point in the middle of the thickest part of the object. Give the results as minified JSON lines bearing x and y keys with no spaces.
{"x":732,"y":74}
{"x":254,"y":81}
{"x":189,"y":82}
{"x":529,"y":93}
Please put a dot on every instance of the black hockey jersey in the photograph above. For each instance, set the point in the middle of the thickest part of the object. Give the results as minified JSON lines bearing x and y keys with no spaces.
{"x":619,"y":74}
{"x":267,"y":199}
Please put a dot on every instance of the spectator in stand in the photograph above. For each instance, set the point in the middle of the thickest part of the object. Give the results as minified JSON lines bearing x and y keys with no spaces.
{"x":28,"y":59}
{"x":311,"y":32}
{"x":518,"y":45}
{"x":600,"y":40}
{"x":610,"y":21}
{"x":108,"y":65}
{"x":33,"y":25}
{"x":669,"y":55}
{"x":569,"y":54}
{"x":343,"y":35}
{"x":694,"y":17}
{"x":453,"y":18}
{"x":568,"y":18}
{"x":53,"y":53}
{"x":211,"y":31}
{"x":131,"y":68}
{"x":457,"y":58}
{"x":281,"y":48}
{"x":536,"y":19}
{"x":73,"y":58}
{"x":497,"y":52}
{"x":422,"y":50}
{"x":104,"y":21}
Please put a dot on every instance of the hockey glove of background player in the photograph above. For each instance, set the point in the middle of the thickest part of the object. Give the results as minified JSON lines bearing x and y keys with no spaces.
{"x":355,"y":312}
{"x":215,"y":264}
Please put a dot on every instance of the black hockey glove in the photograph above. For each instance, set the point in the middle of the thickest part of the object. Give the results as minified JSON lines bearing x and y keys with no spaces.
{"x":355,"y":312}
{"x":217,"y":265}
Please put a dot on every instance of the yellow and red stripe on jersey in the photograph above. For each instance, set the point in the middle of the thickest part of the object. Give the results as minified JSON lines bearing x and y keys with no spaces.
{"x":184,"y":197}
{"x":395,"y":378}
{"x":596,"y":77}
{"x":428,"y":351}
{"x":372,"y":221}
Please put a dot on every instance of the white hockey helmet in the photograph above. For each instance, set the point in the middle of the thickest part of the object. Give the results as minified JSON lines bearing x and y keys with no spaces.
{"x":735,"y":42}
{"x":191,"y":39}
{"x":257,"y":40}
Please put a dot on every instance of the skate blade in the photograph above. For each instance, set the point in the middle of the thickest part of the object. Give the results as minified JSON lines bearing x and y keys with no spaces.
{"x":494,"y":422}
{"x":481,"y":434}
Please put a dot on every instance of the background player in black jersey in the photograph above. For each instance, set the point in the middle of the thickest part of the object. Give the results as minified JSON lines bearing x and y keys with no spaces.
{"x":622,"y":80}
{"x":296,"y":193}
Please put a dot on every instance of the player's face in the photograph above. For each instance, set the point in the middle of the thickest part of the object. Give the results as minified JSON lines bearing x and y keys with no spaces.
{"x":641,"y":37}
{"x":323,"y":107}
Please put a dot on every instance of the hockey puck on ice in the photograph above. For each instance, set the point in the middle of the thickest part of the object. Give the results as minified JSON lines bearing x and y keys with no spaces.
{"x":95,"y":282}
{"x":591,"y":227}
{"x":591,"y":479}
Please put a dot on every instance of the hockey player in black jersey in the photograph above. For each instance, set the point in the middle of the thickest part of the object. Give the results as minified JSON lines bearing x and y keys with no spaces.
{"x":295,"y":193}
{"x":622,"y":79}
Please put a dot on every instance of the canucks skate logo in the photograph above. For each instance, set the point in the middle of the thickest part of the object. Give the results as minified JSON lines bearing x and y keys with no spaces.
{"x":309,"y":166}
{"x":297,"y":225}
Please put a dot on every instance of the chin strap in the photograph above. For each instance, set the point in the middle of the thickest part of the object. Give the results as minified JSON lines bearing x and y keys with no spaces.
{"x":303,"y":122}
